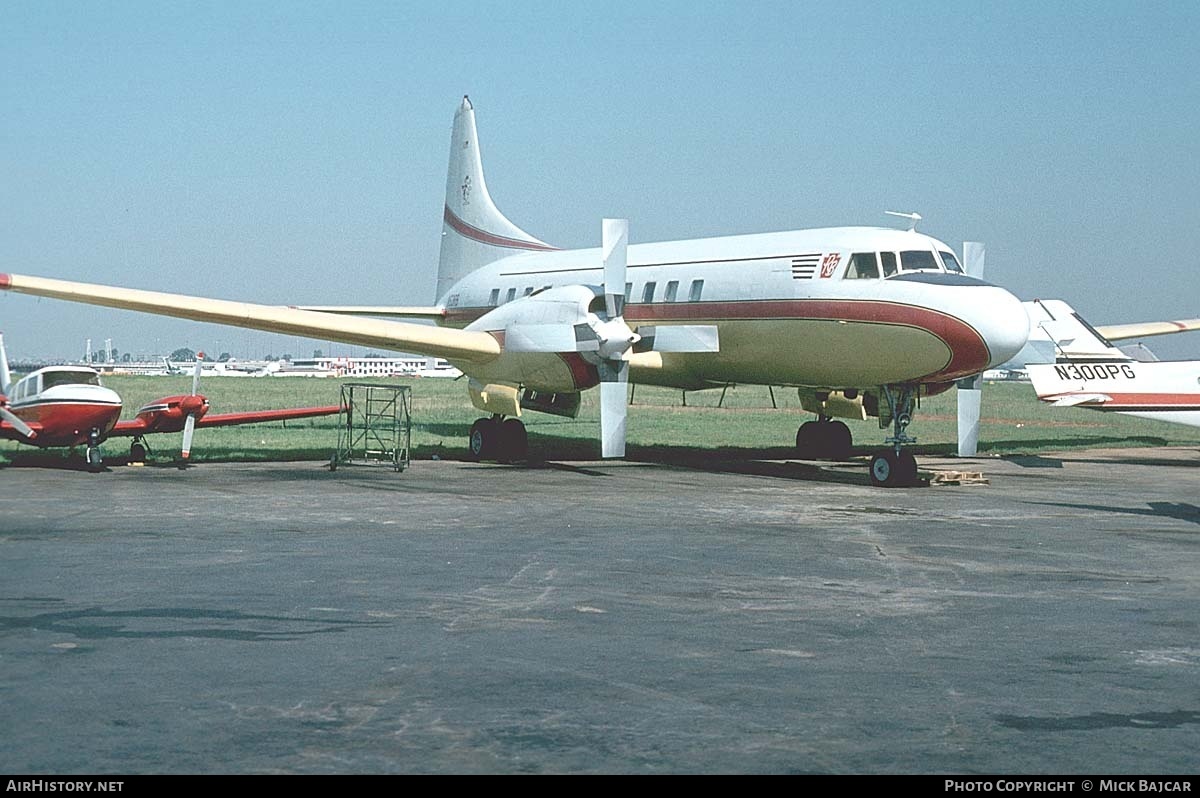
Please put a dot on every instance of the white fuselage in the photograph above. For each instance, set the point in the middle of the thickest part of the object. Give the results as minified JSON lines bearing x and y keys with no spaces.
{"x":792,"y":308}
{"x":1167,"y":390}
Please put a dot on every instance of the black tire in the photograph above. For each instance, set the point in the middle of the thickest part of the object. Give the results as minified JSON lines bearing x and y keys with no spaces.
{"x":514,"y":440}
{"x":481,"y":442}
{"x":839,"y":443}
{"x":807,"y":447}
{"x":137,"y":453}
{"x":94,"y":461}
{"x":892,"y":470}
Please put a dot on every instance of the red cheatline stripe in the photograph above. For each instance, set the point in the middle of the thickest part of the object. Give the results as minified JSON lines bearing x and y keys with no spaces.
{"x":1118,"y":401}
{"x":484,"y":237}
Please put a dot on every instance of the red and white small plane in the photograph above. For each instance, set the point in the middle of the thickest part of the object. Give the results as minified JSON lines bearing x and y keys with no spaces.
{"x":67,"y":406}
{"x":1090,"y":372}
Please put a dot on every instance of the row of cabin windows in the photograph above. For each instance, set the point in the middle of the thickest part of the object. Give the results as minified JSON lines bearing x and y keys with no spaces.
{"x":870,"y":265}
{"x":670,"y":294}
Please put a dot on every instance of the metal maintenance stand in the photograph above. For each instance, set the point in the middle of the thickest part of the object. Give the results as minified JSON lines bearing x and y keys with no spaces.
{"x":376,"y":426}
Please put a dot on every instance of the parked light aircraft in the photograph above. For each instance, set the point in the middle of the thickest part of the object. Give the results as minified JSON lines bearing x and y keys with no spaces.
{"x":862,"y":321}
{"x":1055,"y":331}
{"x":1088,"y":371}
{"x":67,"y":406}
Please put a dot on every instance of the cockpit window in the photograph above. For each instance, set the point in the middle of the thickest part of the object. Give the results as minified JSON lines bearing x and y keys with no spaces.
{"x":918,"y":260}
{"x":862,"y":266}
{"x":950,"y":261}
{"x":53,"y":378}
{"x":888,"y":259}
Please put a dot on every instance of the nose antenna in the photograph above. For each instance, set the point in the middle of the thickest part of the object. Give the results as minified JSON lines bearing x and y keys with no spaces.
{"x":913,"y":218}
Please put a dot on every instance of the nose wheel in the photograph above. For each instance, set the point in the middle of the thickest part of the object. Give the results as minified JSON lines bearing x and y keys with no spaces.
{"x":94,"y":461}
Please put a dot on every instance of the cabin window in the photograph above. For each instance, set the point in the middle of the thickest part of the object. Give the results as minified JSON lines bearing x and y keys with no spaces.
{"x":918,"y":260}
{"x":950,"y":261}
{"x":672,"y":290}
{"x":862,"y":266}
{"x":696,"y":290}
{"x":511,"y":295}
{"x":494,"y":299}
{"x":628,"y":292}
{"x":648,"y":292}
{"x":528,"y":290}
{"x":888,"y":261}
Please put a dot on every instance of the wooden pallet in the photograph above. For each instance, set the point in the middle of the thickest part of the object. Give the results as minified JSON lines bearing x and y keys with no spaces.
{"x":958,"y":478}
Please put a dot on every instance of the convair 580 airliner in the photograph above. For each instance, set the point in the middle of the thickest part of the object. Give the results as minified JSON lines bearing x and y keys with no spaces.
{"x":860,"y":320}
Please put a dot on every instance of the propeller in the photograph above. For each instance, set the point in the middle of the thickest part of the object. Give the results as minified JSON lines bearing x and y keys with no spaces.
{"x":5,"y":383}
{"x":191,"y":407}
{"x":605,"y":340}
{"x":15,"y":420}
{"x":970,"y":389}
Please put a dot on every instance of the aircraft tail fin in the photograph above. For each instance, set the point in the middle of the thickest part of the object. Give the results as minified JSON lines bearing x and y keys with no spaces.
{"x":1073,"y":338}
{"x":5,"y":375}
{"x":474,"y":231}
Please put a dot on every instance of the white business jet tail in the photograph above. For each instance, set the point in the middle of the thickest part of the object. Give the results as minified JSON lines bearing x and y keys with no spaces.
{"x":474,"y":231}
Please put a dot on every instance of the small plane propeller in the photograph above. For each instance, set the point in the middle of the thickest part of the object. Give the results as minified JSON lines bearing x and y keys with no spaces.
{"x":192,"y":406}
{"x":15,"y":420}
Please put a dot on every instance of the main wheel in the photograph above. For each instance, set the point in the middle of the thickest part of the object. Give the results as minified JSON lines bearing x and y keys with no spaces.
{"x":807,"y":445}
{"x":514,"y":441}
{"x":482,"y":439}
{"x":94,"y":461}
{"x":839,"y":443}
{"x":137,"y":453}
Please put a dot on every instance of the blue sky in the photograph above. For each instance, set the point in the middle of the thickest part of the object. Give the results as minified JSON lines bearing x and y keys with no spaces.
{"x":296,"y":152}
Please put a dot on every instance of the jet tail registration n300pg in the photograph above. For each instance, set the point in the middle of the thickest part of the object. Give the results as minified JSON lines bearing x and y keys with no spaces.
{"x":861,"y":320}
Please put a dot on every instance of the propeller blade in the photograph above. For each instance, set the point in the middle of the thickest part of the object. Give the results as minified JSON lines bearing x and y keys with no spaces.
{"x":16,"y":422}
{"x":615,"y":244}
{"x":973,"y":258}
{"x":613,"y":408}
{"x":5,"y":374}
{"x":970,"y":400}
{"x":550,"y":338}
{"x":189,"y":429}
{"x":678,"y":338}
{"x":196,"y":376}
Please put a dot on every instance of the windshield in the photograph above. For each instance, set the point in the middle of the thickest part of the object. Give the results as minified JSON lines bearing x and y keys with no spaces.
{"x":53,"y":378}
{"x":950,"y":261}
{"x":918,"y":260}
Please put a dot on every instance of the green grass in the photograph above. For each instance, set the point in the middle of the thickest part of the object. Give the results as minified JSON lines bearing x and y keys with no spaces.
{"x":659,"y":425}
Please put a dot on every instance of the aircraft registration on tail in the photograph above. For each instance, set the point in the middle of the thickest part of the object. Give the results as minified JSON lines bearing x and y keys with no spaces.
{"x":862,"y":321}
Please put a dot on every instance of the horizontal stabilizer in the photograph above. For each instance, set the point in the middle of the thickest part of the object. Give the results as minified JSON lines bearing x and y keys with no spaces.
{"x":1081,"y":399}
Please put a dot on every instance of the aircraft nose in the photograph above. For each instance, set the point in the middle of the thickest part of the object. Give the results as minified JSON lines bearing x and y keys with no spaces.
{"x":1001,"y":320}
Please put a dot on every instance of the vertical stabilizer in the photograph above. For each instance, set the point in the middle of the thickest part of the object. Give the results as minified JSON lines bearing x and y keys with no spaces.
{"x":5,"y":375}
{"x":474,"y":232}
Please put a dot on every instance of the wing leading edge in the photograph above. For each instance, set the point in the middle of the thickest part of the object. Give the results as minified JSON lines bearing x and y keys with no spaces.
{"x":398,"y":336}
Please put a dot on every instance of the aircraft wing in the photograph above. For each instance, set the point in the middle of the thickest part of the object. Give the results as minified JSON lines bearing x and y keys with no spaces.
{"x":1147,"y":329}
{"x":461,"y":345}
{"x":378,"y":310}
{"x":257,"y":416}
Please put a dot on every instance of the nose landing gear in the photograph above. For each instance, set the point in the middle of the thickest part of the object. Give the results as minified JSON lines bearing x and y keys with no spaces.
{"x":896,"y":467}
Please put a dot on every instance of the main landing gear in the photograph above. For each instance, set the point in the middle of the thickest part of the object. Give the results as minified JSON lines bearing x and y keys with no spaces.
{"x":896,"y":467}
{"x":823,"y":439}
{"x":138,"y":450}
{"x":498,"y":438}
